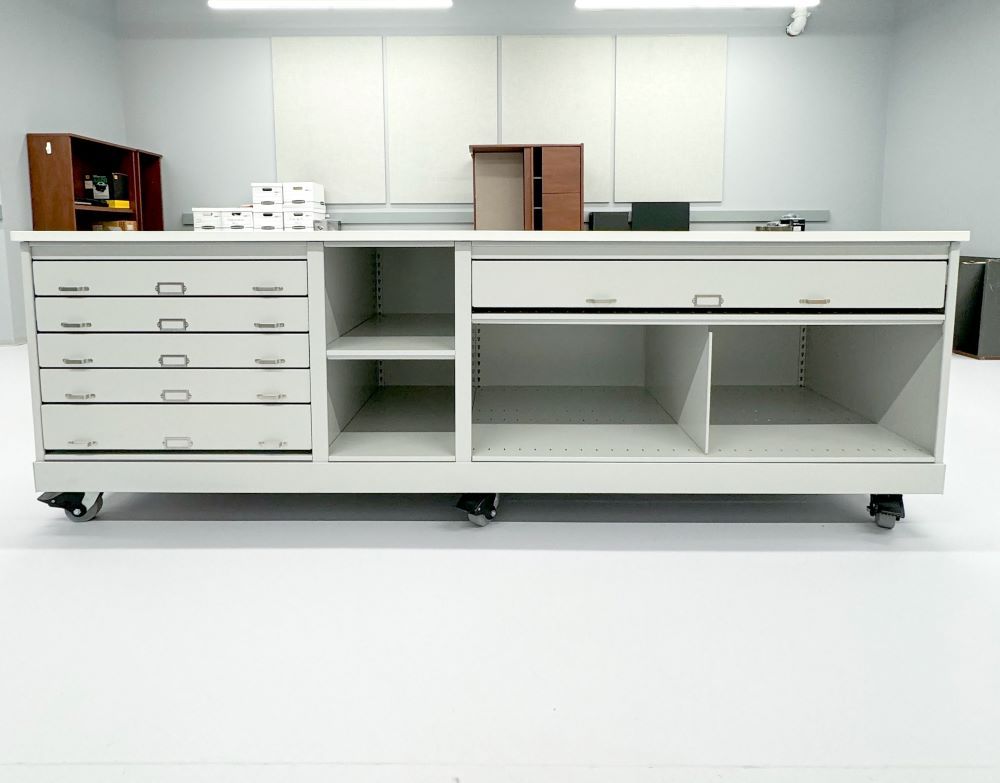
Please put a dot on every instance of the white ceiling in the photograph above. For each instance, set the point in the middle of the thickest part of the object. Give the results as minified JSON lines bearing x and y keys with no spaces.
{"x":193,"y":19}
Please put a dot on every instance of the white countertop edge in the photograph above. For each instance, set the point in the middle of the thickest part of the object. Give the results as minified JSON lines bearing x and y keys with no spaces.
{"x":448,"y":237}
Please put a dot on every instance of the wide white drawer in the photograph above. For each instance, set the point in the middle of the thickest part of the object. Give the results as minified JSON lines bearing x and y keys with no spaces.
{"x":170,"y":278}
{"x":176,"y":351}
{"x":173,"y":314}
{"x":176,"y":427}
{"x":778,"y":285}
{"x":180,"y":386}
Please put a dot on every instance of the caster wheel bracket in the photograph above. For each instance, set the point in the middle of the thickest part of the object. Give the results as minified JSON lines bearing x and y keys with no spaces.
{"x":481,"y":508}
{"x":78,"y":506}
{"x":887,"y":510}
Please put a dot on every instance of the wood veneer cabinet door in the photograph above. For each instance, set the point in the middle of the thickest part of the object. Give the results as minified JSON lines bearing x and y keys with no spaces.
{"x":562,"y":212}
{"x":562,"y":170}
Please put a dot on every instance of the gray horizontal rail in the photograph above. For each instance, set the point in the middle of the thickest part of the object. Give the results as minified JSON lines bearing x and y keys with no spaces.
{"x":464,"y":216}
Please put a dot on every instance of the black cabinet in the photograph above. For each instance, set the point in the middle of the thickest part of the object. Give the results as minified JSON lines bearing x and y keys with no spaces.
{"x":977,"y":322}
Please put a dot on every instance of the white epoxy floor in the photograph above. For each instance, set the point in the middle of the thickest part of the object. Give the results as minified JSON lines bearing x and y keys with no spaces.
{"x":382,"y":640}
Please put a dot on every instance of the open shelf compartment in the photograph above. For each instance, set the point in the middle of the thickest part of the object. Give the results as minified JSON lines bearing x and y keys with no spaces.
{"x":391,"y":354}
{"x":663,"y":393}
{"x":825,"y":393}
{"x":391,"y":304}
{"x":586,"y":393}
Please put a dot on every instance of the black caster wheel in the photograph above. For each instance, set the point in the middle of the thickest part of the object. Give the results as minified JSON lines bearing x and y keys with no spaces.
{"x":481,"y":509}
{"x":78,"y":506}
{"x":887,"y":510}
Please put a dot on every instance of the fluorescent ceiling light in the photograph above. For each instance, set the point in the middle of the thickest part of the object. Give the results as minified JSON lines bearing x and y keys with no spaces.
{"x":328,"y":5}
{"x":658,"y":5}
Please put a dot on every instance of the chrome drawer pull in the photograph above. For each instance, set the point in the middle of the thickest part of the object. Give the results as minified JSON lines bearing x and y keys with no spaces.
{"x":77,"y":361}
{"x":602,"y":301}
{"x":173,"y":324}
{"x":81,"y":397}
{"x":74,"y":289}
{"x":271,"y":397}
{"x":269,"y":362}
{"x":171,"y":289}
{"x":699,"y":300}
{"x":174,"y":360}
{"x":277,"y":444}
{"x":269,"y":326}
{"x":815,"y":301}
{"x":83,"y":325}
{"x":268,"y":289}
{"x":178,"y":443}
{"x":175,"y":395}
{"x":87,"y":444}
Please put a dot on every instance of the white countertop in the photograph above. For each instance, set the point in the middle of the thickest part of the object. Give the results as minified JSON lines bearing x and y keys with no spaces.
{"x":418,"y":237}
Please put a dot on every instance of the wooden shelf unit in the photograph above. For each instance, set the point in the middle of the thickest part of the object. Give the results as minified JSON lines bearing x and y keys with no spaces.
{"x":58,"y":163}
{"x":528,"y":187}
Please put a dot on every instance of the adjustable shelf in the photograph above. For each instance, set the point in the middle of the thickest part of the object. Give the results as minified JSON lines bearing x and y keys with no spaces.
{"x":576,"y":424}
{"x":400,"y":424}
{"x":414,"y":336}
{"x":791,"y":423}
{"x":103,"y":210}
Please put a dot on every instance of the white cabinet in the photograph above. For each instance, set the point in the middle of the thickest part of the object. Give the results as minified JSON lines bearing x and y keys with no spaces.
{"x":483,"y":362}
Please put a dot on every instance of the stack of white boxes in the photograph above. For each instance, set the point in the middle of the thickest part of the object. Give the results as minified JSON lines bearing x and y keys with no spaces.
{"x":277,"y":206}
{"x":303,"y":205}
{"x":267,"y":201}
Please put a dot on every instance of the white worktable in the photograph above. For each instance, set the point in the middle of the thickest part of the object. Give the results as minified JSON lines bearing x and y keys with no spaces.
{"x":462,"y":361}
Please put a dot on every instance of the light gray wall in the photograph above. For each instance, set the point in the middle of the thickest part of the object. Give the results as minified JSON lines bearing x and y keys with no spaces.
{"x":805,"y":121}
{"x":207,"y":107}
{"x":942,"y":154}
{"x":46,"y":86}
{"x":805,"y":125}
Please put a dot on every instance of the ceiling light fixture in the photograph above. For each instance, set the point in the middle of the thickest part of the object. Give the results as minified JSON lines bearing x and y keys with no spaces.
{"x":671,"y":5}
{"x":328,"y":5}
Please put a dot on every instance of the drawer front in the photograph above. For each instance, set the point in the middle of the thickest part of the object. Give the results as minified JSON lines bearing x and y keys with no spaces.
{"x":779,"y":285}
{"x":176,"y":428}
{"x":172,"y":314}
{"x":175,"y":386}
{"x":170,"y":278}
{"x":174,"y":351}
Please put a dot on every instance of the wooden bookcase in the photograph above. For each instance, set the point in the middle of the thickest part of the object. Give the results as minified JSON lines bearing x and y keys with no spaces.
{"x":57,"y":164}
{"x":528,"y":187}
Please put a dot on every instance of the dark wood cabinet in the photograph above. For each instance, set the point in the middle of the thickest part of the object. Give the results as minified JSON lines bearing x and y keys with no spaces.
{"x":528,"y":187}
{"x":58,"y":163}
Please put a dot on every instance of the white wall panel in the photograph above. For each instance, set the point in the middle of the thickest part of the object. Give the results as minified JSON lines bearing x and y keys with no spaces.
{"x":560,"y":90}
{"x":670,"y":118}
{"x":442,"y":97}
{"x":329,"y":115}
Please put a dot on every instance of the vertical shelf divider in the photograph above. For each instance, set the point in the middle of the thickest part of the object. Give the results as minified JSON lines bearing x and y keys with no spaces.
{"x":679,"y":376}
{"x":463,"y":352}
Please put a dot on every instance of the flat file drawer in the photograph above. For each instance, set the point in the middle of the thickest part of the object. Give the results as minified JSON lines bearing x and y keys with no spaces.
{"x":170,"y":278}
{"x":178,"y":351}
{"x":777,"y":285}
{"x":175,"y":386}
{"x":172,"y":314}
{"x":176,"y":427}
